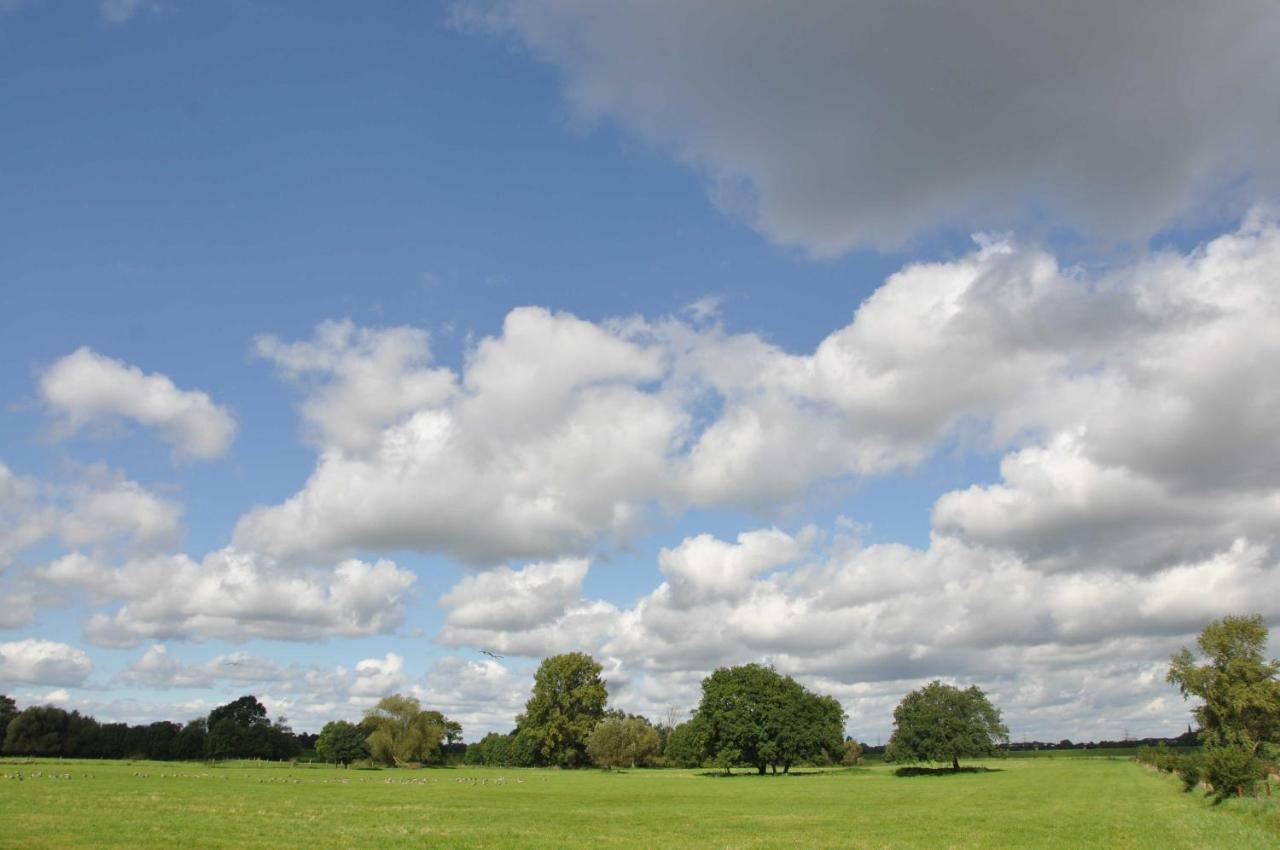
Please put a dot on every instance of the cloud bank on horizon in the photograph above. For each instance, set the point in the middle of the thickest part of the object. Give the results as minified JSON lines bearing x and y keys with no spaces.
{"x":1131,"y":404}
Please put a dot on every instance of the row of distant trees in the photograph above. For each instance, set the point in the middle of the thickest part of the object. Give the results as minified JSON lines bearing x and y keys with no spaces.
{"x":239,"y":729}
{"x":749,"y":715}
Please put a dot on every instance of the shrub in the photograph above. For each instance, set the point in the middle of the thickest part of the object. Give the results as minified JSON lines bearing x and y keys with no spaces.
{"x":1230,"y":770}
{"x":1192,"y":768}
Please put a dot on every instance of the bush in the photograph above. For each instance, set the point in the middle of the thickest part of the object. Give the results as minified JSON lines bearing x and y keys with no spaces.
{"x":1231,"y":770}
{"x":1192,"y":768}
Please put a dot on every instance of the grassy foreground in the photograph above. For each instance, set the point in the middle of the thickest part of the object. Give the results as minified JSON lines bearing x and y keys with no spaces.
{"x":1061,"y":802}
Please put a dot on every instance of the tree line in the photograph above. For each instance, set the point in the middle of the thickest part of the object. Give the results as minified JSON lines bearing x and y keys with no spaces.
{"x":748,"y":716}
{"x":239,"y":729}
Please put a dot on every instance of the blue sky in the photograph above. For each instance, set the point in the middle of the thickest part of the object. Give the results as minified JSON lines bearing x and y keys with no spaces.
{"x":627,"y":251}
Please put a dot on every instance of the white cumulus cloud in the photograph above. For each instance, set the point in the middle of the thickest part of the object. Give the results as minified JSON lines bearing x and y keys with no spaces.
{"x":86,"y":389}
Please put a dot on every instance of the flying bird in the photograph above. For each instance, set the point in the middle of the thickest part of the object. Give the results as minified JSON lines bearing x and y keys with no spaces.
{"x":492,"y":654}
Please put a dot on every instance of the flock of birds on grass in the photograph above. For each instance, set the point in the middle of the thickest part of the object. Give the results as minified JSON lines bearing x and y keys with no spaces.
{"x":279,"y":780}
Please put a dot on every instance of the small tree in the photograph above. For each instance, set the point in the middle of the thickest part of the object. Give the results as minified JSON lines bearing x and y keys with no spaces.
{"x":852,"y":753}
{"x":1240,"y":688}
{"x":342,"y":742}
{"x":942,"y":723}
{"x":622,"y":742}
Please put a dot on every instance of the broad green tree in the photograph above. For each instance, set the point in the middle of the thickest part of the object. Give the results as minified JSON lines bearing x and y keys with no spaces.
{"x":342,"y":742}
{"x":945,"y":723}
{"x":402,"y":732}
{"x":46,"y":730}
{"x":767,"y":719}
{"x":241,"y":729}
{"x":623,"y":742}
{"x":568,"y":701}
{"x":1239,"y":686}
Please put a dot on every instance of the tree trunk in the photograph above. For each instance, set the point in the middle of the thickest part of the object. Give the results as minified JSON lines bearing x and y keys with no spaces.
{"x":760,"y":768}
{"x":786,"y":768}
{"x":955,"y":762}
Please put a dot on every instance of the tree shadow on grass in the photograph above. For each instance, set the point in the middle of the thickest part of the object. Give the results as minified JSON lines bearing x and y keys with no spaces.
{"x":942,"y":771}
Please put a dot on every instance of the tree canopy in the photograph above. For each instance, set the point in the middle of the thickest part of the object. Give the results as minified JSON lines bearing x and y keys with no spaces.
{"x":944,"y":723}
{"x":402,"y":733}
{"x":568,"y":701}
{"x":241,"y":729}
{"x":342,"y":742}
{"x":751,"y":714}
{"x":623,"y":742}
{"x":1239,"y":686}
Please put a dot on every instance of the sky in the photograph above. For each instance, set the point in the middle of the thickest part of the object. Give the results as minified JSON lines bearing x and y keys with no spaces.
{"x":876,"y":342}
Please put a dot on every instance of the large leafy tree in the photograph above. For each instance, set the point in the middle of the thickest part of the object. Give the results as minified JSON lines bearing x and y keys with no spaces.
{"x":567,"y":702}
{"x":241,"y":729}
{"x":1239,"y":686}
{"x":401,"y":732}
{"x":46,"y":730}
{"x":945,"y":723}
{"x":752,"y":714}
{"x":342,"y":742}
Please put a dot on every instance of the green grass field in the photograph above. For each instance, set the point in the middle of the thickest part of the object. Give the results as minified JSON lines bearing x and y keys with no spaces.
{"x":1061,"y":802}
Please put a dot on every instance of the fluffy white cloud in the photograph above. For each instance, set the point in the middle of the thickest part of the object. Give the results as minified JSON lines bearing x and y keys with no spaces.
{"x":1068,"y":652}
{"x":24,"y":519}
{"x":512,"y":599}
{"x":1153,"y":379}
{"x":86,"y":388}
{"x":548,"y":445}
{"x":363,"y":380}
{"x":158,"y":669}
{"x":117,"y":512}
{"x":833,"y":125}
{"x":43,"y":662}
{"x":234,"y":595}
{"x":101,"y":509}
{"x":377,"y":677}
{"x":703,"y":568}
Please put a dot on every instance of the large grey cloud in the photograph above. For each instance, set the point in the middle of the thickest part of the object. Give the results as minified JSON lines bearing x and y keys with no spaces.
{"x":832,"y":125}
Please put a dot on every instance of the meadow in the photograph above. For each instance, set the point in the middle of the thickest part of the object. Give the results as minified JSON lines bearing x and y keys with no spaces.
{"x":1056,"y":802}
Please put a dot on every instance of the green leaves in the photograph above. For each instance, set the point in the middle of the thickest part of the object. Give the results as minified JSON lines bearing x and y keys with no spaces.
{"x":767,"y":719}
{"x":1239,"y":686}
{"x":567,"y":702}
{"x":401,"y":732}
{"x":944,"y":723}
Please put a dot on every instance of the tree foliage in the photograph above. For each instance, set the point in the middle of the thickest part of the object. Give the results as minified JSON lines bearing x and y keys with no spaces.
{"x":944,"y":723}
{"x":342,"y":742}
{"x":1240,"y":688}
{"x":8,"y":711}
{"x":241,"y":729}
{"x":568,"y":701}
{"x":686,"y":745}
{"x":766,"y":719}
{"x":402,"y":733}
{"x":623,"y":742}
{"x":500,"y":750}
{"x":46,"y":730}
